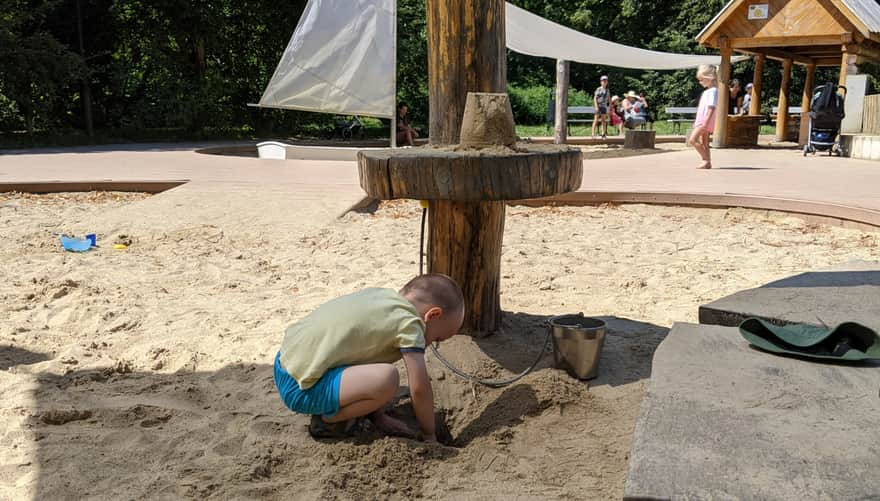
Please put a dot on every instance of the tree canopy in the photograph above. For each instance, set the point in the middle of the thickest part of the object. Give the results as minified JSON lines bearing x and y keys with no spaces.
{"x":193,"y":65}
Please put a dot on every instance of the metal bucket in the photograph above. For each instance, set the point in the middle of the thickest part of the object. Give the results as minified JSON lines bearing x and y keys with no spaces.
{"x":577,"y":344}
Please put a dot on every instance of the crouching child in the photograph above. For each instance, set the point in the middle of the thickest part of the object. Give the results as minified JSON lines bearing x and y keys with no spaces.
{"x":336,"y":363}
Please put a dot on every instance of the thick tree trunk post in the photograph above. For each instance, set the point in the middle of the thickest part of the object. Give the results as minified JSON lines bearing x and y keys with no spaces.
{"x":805,"y":104}
{"x":757,"y":83}
{"x":719,"y":137}
{"x":561,"y":122}
{"x":782,"y":114}
{"x":466,"y":53}
{"x":639,"y":139}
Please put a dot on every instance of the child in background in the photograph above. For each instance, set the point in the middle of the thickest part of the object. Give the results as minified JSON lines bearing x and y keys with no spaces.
{"x":705,"y":121}
{"x":335,"y":364}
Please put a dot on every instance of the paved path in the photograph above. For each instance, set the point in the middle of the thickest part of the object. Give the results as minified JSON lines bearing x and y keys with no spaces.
{"x":762,"y":178}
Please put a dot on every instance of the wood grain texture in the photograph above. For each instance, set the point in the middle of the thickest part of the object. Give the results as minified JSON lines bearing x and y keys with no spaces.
{"x":466,"y":53}
{"x":871,"y":116}
{"x":639,"y":139}
{"x":467,"y":247}
{"x":782,"y":114}
{"x":430,"y":174}
{"x":757,"y":85}
{"x":560,"y":129}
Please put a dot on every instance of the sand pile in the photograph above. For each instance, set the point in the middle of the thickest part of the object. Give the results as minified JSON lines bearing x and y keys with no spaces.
{"x":146,"y":373}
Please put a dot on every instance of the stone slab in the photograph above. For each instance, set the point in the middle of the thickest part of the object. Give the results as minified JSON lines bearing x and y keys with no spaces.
{"x":847,"y":292}
{"x":722,"y":420}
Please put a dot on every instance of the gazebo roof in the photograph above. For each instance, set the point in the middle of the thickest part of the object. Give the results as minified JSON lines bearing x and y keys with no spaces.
{"x":806,"y":31}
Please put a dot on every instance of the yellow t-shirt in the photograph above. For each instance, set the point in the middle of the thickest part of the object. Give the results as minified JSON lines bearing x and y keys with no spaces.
{"x":365,"y":327}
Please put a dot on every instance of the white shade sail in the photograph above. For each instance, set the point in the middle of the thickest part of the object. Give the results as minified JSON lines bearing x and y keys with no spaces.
{"x":339,"y":60}
{"x":533,"y":35}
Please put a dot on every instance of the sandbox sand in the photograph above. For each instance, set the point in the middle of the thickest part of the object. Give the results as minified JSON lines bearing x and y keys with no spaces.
{"x":145,"y":373}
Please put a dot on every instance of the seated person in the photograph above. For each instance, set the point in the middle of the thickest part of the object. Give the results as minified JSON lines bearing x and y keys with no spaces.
{"x":405,"y":132}
{"x":616,"y":114}
{"x":649,"y":115}
{"x":735,"y":104}
{"x":633,"y":111}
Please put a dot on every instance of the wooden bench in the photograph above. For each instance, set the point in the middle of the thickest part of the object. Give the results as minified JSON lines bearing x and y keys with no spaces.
{"x":680,"y":115}
{"x":792,"y":111}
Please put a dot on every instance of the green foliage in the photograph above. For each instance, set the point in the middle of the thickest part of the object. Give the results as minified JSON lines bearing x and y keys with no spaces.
{"x":187,"y":69}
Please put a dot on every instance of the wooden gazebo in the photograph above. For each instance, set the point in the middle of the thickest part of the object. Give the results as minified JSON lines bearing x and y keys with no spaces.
{"x":812,"y":33}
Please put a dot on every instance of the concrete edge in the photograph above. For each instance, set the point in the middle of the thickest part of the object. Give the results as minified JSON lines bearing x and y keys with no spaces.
{"x":818,"y":212}
{"x":83,"y":186}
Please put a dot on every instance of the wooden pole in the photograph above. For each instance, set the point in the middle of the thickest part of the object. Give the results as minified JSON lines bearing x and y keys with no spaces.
{"x":805,"y":104}
{"x":757,"y":82}
{"x":844,"y":66}
{"x":561,"y":121}
{"x":719,"y":137}
{"x":466,"y":53}
{"x":782,"y":114}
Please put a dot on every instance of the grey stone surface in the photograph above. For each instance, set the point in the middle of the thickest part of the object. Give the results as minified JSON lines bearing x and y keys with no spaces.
{"x":722,"y":420}
{"x":848,"y":292}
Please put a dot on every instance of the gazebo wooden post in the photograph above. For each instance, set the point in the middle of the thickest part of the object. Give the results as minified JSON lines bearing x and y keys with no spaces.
{"x":844,"y":65}
{"x":805,"y":104}
{"x":466,"y":52}
{"x":782,"y":114}
{"x":561,"y":121}
{"x":719,"y":138}
{"x":757,"y":83}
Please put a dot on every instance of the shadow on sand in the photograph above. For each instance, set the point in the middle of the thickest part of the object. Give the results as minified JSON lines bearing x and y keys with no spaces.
{"x":626,"y":355}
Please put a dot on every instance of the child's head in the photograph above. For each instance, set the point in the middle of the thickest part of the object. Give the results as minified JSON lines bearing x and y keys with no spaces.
{"x":439,"y":302}
{"x":707,"y":74}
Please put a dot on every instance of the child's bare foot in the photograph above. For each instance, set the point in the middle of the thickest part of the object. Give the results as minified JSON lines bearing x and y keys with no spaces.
{"x":392,"y":426}
{"x":705,"y":165}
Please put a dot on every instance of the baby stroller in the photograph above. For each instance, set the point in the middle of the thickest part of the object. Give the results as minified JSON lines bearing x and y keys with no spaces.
{"x":826,"y":114}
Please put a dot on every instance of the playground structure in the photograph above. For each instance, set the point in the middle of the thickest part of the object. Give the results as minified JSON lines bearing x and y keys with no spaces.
{"x":467,"y":186}
{"x":811,"y":33}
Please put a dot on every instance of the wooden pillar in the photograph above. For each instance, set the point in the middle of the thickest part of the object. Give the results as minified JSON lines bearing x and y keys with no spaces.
{"x":466,"y":53}
{"x":844,"y":66}
{"x":719,"y":137}
{"x":561,"y":121}
{"x":805,"y":104}
{"x":757,"y":83}
{"x":782,"y":114}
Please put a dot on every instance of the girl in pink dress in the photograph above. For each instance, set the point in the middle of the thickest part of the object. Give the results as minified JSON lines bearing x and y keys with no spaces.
{"x":705,"y":122}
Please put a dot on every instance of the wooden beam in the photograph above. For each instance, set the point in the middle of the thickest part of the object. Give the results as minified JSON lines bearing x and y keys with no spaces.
{"x":806,"y":97}
{"x":828,"y":61}
{"x":719,"y":136}
{"x":782,"y":55}
{"x":792,"y":41}
{"x":707,"y":38}
{"x":864,"y":50}
{"x":782,"y":114}
{"x":561,"y":122}
{"x":757,"y":81}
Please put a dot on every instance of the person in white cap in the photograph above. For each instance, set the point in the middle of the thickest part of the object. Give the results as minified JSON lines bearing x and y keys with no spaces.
{"x":601,"y":102}
{"x":747,"y":100}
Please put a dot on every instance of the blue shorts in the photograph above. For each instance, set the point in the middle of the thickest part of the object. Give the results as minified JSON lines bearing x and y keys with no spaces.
{"x":322,"y":398}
